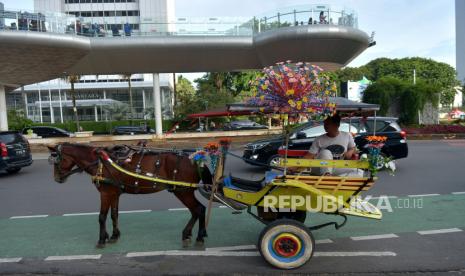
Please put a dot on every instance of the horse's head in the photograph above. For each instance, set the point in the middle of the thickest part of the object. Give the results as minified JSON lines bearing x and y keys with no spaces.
{"x":62,"y":162}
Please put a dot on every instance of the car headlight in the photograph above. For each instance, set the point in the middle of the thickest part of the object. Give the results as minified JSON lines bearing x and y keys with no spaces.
{"x":259,"y":146}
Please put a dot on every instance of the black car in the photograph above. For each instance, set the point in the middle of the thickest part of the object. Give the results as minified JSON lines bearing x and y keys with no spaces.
{"x":241,"y":125}
{"x":266,"y":151}
{"x":47,"y":131}
{"x":14,"y":152}
{"x":130,"y":130}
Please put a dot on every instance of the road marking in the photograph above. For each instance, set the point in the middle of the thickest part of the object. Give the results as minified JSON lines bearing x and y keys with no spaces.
{"x":10,"y":260}
{"x":24,"y":217}
{"x":458,"y":193}
{"x":231,"y":248}
{"x":423,"y":195}
{"x":355,"y":254}
{"x":222,"y":206}
{"x":439,"y":231}
{"x":254,"y":253}
{"x":178,"y":209}
{"x":379,"y":197}
{"x":80,"y":214}
{"x":135,"y":211}
{"x":323,"y":241}
{"x":73,"y":257}
{"x":194,"y":253}
{"x":374,"y":237}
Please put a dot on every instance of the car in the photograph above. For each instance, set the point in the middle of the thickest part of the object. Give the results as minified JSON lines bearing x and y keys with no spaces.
{"x":47,"y":131}
{"x":241,"y":125}
{"x":266,"y":151}
{"x":131,"y":130}
{"x":457,"y":114}
{"x":15,"y":152}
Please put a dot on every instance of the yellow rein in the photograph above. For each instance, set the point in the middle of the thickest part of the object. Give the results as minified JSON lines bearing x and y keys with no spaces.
{"x":144,"y":177}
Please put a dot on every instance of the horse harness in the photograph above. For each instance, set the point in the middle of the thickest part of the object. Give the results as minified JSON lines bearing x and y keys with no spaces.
{"x":127,"y":157}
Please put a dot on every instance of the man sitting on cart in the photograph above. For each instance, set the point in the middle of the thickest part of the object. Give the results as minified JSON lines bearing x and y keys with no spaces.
{"x":334,"y":144}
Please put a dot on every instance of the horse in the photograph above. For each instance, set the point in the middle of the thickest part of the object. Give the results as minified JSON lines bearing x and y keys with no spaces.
{"x":70,"y":158}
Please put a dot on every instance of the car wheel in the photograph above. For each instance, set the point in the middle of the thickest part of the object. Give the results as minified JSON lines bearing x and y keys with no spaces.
{"x":13,"y":170}
{"x":274,"y":160}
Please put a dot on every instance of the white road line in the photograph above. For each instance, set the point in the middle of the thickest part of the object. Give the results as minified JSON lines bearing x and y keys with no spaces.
{"x":439,"y":231}
{"x":222,"y":206}
{"x":231,"y":248}
{"x":323,"y":241}
{"x":80,"y":214}
{"x":374,"y":237}
{"x":194,"y":253}
{"x":378,"y":197}
{"x":72,"y":258}
{"x":135,"y":211}
{"x":355,"y":254}
{"x":423,"y":195}
{"x":178,"y":209}
{"x":24,"y":217}
{"x":10,"y":260}
{"x":458,"y":193}
{"x":255,"y":253}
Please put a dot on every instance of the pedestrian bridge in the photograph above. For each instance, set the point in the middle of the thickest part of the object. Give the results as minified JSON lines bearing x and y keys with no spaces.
{"x":39,"y":46}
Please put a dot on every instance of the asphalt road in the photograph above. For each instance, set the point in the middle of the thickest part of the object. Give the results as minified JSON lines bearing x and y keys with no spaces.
{"x":432,"y":175}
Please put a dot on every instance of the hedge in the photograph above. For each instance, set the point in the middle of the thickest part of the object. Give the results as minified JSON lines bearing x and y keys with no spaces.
{"x":104,"y":127}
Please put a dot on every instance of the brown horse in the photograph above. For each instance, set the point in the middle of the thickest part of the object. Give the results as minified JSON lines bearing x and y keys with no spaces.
{"x":170,"y":165}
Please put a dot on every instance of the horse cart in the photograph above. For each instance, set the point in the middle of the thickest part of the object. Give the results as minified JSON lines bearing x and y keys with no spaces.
{"x":281,"y":200}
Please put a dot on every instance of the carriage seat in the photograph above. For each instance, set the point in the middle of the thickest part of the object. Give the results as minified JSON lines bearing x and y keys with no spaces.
{"x":250,"y":185}
{"x":243,"y":184}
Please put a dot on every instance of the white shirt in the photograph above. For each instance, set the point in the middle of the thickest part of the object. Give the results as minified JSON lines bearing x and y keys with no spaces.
{"x":343,"y":139}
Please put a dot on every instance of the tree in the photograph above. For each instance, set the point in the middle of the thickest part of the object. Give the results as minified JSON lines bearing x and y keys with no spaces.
{"x":72,"y":79}
{"x":390,"y":92}
{"x":17,"y":120}
{"x":186,"y":102}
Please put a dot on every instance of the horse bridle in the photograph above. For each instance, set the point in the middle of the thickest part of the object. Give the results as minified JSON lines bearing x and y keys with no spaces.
{"x":56,"y":158}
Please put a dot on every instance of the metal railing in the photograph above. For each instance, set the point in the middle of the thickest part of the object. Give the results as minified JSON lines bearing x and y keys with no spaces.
{"x":213,"y":26}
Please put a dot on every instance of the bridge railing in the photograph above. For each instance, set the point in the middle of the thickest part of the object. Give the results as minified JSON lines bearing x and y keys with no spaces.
{"x":313,"y":15}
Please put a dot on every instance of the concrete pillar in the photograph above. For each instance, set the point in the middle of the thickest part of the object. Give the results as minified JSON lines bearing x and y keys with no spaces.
{"x":61,"y":104}
{"x":52,"y":114}
{"x":3,"y":116}
{"x":96,"y":113}
{"x":157,"y":104}
{"x":40,"y":107}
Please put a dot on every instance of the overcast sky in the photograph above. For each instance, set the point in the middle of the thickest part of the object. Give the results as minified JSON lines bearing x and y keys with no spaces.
{"x":404,"y":28}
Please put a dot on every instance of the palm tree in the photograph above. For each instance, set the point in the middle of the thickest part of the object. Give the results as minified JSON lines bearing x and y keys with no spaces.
{"x":72,"y":79}
{"x":127,"y":77}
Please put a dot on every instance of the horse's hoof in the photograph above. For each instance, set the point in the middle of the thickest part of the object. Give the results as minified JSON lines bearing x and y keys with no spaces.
{"x":100,"y":245}
{"x":112,"y":240}
{"x":186,"y":243}
{"x":200,"y":244}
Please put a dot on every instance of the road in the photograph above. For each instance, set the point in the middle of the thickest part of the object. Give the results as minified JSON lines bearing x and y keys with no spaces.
{"x":40,"y":218}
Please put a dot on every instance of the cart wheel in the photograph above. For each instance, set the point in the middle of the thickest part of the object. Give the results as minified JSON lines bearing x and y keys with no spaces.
{"x":286,"y":244}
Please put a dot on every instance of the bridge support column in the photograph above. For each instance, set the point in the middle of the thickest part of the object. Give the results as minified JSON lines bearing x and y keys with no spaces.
{"x":157,"y":104}
{"x":3,"y":116}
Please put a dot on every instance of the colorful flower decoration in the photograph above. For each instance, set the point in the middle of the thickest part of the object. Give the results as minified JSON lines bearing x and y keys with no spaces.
{"x":298,"y":88}
{"x":374,"y":157}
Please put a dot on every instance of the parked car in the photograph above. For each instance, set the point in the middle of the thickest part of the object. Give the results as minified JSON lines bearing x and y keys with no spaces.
{"x":131,"y":130}
{"x":265,"y":151}
{"x":48,"y":131}
{"x":457,"y":114}
{"x":14,"y":152}
{"x":241,"y":125}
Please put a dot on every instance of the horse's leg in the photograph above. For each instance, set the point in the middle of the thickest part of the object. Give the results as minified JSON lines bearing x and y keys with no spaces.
{"x":114,"y":217}
{"x":102,"y":218}
{"x":186,"y":198}
{"x":198,"y":212}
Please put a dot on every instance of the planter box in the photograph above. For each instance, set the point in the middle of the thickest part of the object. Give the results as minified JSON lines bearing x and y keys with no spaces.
{"x":80,"y":134}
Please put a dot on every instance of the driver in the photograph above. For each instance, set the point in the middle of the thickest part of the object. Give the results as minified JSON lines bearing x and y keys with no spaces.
{"x":332,"y":137}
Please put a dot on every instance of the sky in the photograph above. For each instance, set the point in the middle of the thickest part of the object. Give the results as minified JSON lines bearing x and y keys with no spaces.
{"x":403,"y":28}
